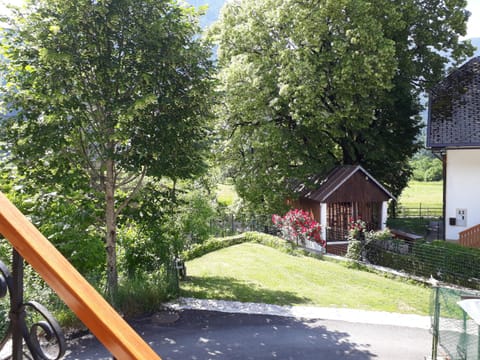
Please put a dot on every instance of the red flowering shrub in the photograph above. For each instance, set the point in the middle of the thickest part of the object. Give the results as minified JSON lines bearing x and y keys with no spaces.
{"x":357,"y":228}
{"x":297,"y":226}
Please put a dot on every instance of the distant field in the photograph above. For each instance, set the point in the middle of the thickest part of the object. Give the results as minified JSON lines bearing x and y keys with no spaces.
{"x":428,"y":194}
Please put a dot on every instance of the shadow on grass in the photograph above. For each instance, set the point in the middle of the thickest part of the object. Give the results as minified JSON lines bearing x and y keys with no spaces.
{"x":228,"y":288}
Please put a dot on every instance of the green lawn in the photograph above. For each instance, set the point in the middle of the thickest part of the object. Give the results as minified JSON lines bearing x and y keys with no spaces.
{"x":256,"y":273}
{"x":425,"y":193}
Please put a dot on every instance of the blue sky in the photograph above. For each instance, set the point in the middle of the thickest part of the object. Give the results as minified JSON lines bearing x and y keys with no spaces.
{"x":473,"y":6}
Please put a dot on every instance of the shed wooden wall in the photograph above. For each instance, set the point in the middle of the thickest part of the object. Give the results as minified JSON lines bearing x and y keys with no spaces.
{"x":311,"y":206}
{"x":358,"y":188}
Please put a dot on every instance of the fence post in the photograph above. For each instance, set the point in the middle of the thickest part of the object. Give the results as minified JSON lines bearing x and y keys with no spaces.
{"x":17,"y":314}
{"x":436,"y":322}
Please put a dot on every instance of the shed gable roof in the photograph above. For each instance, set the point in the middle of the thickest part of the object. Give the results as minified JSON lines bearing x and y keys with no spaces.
{"x":454,"y":109}
{"x":326,"y":186}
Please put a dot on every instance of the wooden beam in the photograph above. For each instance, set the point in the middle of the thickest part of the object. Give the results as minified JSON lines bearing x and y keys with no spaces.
{"x":90,"y":307}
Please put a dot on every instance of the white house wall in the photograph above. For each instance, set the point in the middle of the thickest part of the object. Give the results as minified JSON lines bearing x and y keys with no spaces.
{"x":462,"y":191}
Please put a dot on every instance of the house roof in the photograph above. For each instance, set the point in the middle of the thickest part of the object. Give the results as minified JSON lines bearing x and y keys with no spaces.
{"x":454,"y":109}
{"x":326,"y":186}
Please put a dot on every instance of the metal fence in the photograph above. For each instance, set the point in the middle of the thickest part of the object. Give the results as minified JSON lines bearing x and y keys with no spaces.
{"x":455,"y":333}
{"x":420,"y":211}
{"x":231,"y":225}
{"x":445,"y":262}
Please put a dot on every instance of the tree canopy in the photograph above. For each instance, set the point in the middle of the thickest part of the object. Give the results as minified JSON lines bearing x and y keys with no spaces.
{"x":105,"y":94}
{"x":308,"y":85}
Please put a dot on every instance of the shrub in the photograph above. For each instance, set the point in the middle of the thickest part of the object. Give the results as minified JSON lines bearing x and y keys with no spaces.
{"x":272,"y":241}
{"x":356,"y":239}
{"x":298,"y":226}
{"x":354,"y":250}
{"x":213,"y":244}
{"x":197,"y":217}
{"x":145,"y":292}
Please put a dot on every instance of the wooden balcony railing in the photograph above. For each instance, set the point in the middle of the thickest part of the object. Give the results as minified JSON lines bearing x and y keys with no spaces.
{"x":470,"y":237}
{"x":90,"y":307}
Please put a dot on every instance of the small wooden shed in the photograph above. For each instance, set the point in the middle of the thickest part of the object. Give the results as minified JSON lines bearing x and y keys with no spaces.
{"x":346,"y":192}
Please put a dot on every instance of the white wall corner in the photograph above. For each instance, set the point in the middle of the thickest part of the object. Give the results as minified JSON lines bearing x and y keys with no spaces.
{"x":323,"y":219}
{"x":383,"y":220}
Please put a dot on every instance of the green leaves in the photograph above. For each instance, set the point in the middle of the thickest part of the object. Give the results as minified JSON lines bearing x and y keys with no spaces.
{"x":104,"y":94}
{"x":307,"y":85}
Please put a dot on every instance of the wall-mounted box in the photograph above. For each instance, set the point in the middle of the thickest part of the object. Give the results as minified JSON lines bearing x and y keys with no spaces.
{"x":461,"y":216}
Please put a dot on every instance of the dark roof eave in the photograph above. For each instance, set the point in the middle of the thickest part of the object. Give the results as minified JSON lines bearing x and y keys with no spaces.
{"x":349,"y":173}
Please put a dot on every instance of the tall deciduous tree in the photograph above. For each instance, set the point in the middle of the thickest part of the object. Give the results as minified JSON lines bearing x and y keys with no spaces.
{"x":310,"y":84}
{"x":107,"y":93}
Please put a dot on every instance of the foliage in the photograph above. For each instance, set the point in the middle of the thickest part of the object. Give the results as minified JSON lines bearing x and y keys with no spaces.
{"x":213,"y":244}
{"x":150,"y":235}
{"x":359,"y":239}
{"x":145,"y":292}
{"x":103,"y":96}
{"x":298,"y":226}
{"x":309,"y":85}
{"x":354,"y":250}
{"x":426,"y":168}
{"x":69,"y":223}
{"x":197,"y":215}
{"x":356,"y":229}
{"x":356,"y":239}
{"x":411,"y":225}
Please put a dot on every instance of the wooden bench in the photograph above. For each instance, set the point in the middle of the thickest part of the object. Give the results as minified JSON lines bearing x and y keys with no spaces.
{"x":399,"y":234}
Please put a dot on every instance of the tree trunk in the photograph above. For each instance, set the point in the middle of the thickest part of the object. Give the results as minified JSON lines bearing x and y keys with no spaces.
{"x":111,"y":229}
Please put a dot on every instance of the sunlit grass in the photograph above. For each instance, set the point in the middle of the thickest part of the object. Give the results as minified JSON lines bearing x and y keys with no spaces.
{"x":255,"y":273}
{"x":427,"y":194}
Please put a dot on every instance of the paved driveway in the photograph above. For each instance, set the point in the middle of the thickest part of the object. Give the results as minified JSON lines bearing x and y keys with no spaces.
{"x":202,"y":334}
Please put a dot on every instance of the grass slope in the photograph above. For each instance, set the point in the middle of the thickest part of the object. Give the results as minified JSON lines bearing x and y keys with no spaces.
{"x":256,"y":273}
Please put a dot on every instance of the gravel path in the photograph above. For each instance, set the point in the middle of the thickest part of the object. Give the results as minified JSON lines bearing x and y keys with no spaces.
{"x":304,"y":312}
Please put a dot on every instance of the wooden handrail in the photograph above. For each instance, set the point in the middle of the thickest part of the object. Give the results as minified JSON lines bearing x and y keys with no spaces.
{"x":90,"y":307}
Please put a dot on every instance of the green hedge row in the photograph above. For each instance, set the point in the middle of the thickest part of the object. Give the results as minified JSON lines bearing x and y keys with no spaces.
{"x":211,"y":245}
{"x":215,"y":244}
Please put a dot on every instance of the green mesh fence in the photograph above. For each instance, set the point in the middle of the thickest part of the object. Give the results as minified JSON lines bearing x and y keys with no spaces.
{"x":455,"y":334}
{"x":449,"y":263}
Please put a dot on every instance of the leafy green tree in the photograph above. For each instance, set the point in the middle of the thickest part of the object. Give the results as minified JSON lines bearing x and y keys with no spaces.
{"x":107,"y":95}
{"x":311,"y":84}
{"x":426,"y":167}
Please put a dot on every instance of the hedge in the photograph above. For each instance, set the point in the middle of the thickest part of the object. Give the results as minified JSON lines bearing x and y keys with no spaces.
{"x":215,"y":244}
